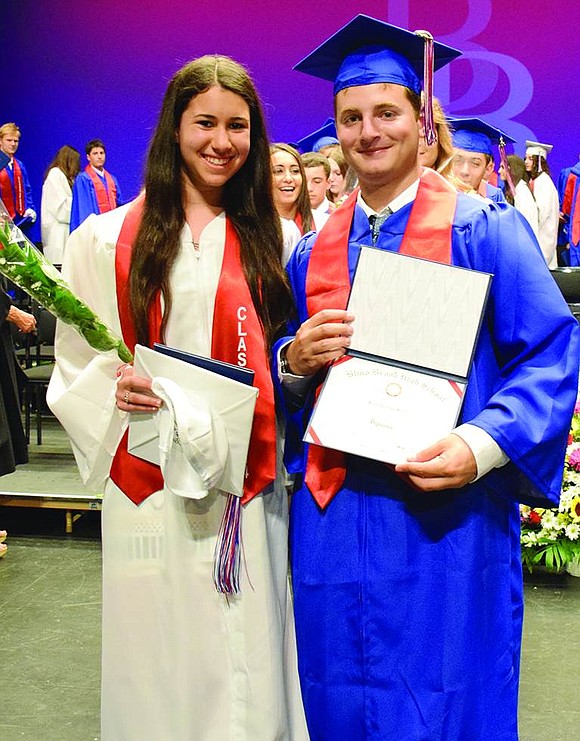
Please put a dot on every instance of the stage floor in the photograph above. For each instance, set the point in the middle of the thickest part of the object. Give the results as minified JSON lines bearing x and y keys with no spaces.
{"x":50,"y":612}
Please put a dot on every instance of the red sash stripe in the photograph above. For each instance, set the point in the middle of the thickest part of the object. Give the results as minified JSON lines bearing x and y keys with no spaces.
{"x":237,"y":338}
{"x":427,"y":235}
{"x":13,"y":192}
{"x":106,"y":197}
{"x":136,"y":478}
{"x":298,"y":222}
{"x":575,"y":211}
{"x":569,"y":194}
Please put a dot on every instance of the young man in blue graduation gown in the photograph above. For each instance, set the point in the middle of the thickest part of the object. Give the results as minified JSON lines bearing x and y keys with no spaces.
{"x":408,"y":582}
{"x":15,"y":190}
{"x":473,"y":140}
{"x":95,"y":190}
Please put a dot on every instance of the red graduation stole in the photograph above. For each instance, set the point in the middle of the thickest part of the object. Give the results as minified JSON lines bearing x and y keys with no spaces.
{"x":298,"y":222}
{"x":106,"y":197}
{"x":427,"y":235}
{"x":237,"y":338}
{"x":568,"y":194}
{"x":12,"y":193}
{"x":575,"y":236}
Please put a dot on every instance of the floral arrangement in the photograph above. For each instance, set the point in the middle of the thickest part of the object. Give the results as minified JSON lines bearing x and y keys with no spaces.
{"x":551,"y":537}
{"x":27,"y":267}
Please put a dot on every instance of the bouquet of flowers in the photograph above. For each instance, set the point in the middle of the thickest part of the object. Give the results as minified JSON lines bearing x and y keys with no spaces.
{"x":27,"y":267}
{"x":551,"y":537}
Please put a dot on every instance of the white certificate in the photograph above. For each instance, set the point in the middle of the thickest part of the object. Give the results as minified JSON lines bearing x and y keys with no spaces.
{"x":381,"y":411}
{"x":415,"y":311}
{"x":400,"y":387}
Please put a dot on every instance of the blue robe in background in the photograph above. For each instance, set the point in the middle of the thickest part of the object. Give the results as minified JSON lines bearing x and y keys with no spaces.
{"x":563,"y":237}
{"x":409,"y":606}
{"x":494,"y":194}
{"x":84,"y":198}
{"x":562,"y":180}
{"x":24,"y":222}
{"x":573,"y":254}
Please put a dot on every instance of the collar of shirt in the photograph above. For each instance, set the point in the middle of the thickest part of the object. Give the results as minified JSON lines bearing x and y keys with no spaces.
{"x":407,"y":196}
{"x":324,"y":207}
{"x":100,"y":173}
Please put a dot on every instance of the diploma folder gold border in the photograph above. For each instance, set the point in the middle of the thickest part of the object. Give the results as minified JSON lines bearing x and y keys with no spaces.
{"x":365,"y":302}
{"x":232,"y":400}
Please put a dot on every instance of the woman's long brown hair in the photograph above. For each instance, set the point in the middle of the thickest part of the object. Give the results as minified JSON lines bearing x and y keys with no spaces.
{"x":67,"y":159}
{"x":247,"y":201}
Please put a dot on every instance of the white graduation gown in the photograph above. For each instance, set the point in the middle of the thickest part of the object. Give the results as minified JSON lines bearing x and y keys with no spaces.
{"x":180,"y":661}
{"x":546,"y":197}
{"x":526,"y":204}
{"x":291,"y":236}
{"x":55,"y":209}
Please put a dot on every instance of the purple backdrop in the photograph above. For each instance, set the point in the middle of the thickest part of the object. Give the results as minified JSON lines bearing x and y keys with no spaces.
{"x":79,"y":69}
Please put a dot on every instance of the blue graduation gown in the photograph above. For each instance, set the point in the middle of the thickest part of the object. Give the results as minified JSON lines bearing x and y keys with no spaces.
{"x":409,"y":606}
{"x":574,"y":251}
{"x":494,"y":194}
{"x":563,"y":236}
{"x":24,"y":224}
{"x":84,"y":198}
{"x":562,"y":180}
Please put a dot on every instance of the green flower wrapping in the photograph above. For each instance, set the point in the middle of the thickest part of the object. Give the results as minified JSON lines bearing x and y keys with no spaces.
{"x":27,"y":267}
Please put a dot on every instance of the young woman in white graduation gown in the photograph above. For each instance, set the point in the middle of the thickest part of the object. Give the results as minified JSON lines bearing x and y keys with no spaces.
{"x":290,"y":194}
{"x":546,"y":197}
{"x":56,"y":202}
{"x":195,"y":262}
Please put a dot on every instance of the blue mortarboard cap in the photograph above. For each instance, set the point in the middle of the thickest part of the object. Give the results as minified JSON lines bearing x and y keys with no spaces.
{"x":474,"y":135}
{"x":322,"y":137}
{"x":367,"y":50}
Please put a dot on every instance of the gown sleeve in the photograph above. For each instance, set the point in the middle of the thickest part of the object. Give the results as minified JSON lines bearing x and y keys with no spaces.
{"x":84,"y":201}
{"x":523,"y":384}
{"x":83,"y":383}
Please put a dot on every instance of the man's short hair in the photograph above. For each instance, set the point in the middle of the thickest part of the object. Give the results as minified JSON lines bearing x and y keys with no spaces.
{"x":315,"y":159}
{"x":9,"y":128}
{"x":94,"y":144}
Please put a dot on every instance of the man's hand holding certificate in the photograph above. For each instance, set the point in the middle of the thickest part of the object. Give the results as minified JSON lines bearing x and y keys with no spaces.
{"x":322,"y":338}
{"x":399,"y":388}
{"x":447,"y":464}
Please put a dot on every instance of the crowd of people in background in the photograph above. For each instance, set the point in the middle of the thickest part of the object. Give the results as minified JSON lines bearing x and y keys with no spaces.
{"x":463,"y":153}
{"x":311,"y":179}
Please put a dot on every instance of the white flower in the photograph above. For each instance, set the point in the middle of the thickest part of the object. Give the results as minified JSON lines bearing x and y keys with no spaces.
{"x":549,"y":520}
{"x":573,"y":531}
{"x":529,"y":538}
{"x":566,"y":499}
{"x":51,"y":272}
{"x":550,"y":534}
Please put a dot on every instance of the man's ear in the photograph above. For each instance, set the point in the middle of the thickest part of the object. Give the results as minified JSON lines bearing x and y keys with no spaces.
{"x":420,"y":122}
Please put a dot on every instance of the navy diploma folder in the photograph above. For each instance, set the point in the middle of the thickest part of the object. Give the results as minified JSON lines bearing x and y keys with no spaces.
{"x":235,"y":372}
